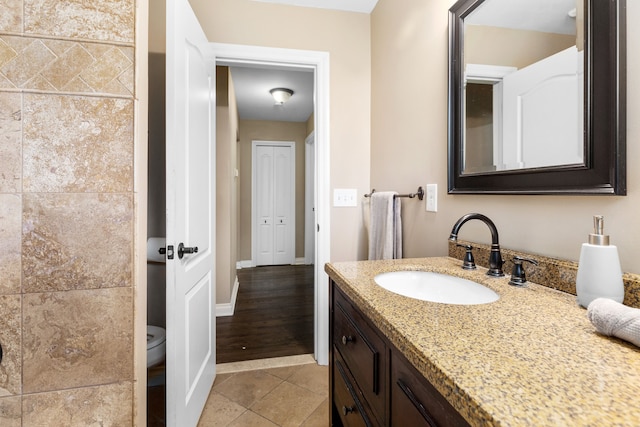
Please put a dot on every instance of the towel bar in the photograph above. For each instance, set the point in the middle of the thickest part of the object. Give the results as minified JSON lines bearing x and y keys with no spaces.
{"x":419,"y":194}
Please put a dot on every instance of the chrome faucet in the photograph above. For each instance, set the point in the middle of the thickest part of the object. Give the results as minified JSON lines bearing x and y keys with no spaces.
{"x":495,"y":257}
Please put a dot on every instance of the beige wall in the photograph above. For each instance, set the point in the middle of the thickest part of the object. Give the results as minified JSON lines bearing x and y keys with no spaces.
{"x":409,"y":147}
{"x":226,"y":206}
{"x":311,"y":123}
{"x":346,"y":36}
{"x":508,"y":47}
{"x":157,"y":23}
{"x":251,"y":130}
{"x":69,"y":205}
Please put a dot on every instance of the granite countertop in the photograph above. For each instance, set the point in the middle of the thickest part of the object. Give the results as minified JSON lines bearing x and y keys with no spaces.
{"x":532,"y":358}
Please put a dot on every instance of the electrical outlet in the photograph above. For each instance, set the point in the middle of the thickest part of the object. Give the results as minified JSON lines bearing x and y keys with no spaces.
{"x":345,"y":197}
{"x":432,"y":198}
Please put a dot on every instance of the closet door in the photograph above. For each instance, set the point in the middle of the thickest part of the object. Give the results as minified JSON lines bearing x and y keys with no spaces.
{"x":264,"y":199}
{"x":284,"y":197}
{"x":274,"y":197}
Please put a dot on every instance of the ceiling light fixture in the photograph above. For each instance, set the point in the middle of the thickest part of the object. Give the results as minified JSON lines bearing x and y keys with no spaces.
{"x":281,"y":95}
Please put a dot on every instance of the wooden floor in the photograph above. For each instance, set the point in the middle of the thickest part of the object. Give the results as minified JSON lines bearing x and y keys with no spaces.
{"x":273,"y":315}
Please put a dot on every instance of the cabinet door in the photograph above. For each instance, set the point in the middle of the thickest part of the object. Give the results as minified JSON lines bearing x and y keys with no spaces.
{"x":350,"y":409}
{"x":363,"y":351}
{"x":415,"y":402}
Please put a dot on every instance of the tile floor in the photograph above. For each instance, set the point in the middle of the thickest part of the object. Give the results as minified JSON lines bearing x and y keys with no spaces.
{"x":286,"y":392}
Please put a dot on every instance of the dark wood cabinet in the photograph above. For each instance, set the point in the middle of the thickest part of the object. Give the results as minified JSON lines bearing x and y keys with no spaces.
{"x":415,"y":402}
{"x":371,"y":382}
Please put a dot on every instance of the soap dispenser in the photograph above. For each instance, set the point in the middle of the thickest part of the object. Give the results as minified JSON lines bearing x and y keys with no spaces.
{"x":599,"y":273}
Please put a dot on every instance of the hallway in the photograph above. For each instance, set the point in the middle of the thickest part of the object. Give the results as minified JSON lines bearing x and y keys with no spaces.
{"x":273,"y":315}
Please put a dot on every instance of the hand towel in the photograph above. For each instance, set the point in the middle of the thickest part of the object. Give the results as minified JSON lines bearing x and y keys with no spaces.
{"x":615,"y":319}
{"x":385,"y":226}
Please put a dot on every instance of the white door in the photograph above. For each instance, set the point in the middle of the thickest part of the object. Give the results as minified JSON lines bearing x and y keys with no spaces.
{"x":542,"y":112}
{"x":190,"y":218}
{"x":274,"y":196}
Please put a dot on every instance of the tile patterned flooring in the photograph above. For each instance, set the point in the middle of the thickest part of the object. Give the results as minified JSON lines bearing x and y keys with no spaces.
{"x":285,"y":392}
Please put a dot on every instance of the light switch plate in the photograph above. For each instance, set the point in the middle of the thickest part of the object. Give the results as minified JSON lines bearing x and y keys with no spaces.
{"x":345,"y":197}
{"x":432,"y":198}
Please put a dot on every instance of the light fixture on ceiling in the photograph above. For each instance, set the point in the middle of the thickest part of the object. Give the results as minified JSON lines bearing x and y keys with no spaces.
{"x":281,"y":95}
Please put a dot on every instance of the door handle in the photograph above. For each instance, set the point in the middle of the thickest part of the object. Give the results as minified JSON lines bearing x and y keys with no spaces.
{"x":182,"y":249}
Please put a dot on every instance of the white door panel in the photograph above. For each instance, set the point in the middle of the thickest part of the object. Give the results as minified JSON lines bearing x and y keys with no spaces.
{"x":198,"y":309}
{"x":190,"y":190}
{"x":265,"y":244}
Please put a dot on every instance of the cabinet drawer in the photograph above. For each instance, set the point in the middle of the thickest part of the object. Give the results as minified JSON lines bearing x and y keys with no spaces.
{"x":350,"y":409}
{"x":415,"y":402}
{"x":363,"y":351}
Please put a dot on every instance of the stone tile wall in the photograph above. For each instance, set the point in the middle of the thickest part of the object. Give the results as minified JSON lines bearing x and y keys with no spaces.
{"x":66,"y":212}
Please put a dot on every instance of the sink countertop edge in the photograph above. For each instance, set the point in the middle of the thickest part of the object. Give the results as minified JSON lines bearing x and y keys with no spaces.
{"x":547,"y":343}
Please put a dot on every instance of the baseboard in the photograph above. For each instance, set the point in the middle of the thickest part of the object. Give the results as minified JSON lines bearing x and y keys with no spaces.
{"x":227,"y":309}
{"x":244,"y":264}
{"x":250,"y":264}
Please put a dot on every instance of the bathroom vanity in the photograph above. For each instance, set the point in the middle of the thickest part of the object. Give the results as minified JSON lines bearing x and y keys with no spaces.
{"x":363,"y":359}
{"x":530,"y":358}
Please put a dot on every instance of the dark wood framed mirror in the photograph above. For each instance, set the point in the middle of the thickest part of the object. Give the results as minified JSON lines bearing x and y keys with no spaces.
{"x":598,"y":122}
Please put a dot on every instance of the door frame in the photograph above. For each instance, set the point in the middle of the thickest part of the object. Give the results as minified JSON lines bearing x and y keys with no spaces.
{"x":254,"y":197}
{"x":309,"y":191}
{"x":318,"y":61}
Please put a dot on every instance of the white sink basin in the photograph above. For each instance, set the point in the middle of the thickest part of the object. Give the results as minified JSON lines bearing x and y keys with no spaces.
{"x":436,"y":287}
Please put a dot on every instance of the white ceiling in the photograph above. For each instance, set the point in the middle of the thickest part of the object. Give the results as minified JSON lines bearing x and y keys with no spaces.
{"x":549,"y":16}
{"x":252,"y":86}
{"x":364,"y":6}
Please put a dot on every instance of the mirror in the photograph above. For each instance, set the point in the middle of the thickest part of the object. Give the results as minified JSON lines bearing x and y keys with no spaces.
{"x":537,"y":97}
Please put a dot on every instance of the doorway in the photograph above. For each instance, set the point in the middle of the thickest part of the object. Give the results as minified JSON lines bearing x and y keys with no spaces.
{"x":318,"y":62}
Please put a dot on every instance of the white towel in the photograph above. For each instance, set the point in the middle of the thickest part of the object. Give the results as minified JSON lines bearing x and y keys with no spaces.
{"x":615,"y":319}
{"x":385,"y":226}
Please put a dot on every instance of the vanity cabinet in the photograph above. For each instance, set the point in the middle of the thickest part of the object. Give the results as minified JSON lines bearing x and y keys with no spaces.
{"x":371,"y":383}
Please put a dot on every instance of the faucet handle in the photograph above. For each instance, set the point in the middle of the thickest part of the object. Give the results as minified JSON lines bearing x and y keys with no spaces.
{"x":468,"y":262}
{"x":518,"y":276}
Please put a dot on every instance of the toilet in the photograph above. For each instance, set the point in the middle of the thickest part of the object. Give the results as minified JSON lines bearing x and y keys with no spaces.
{"x":156,"y":341}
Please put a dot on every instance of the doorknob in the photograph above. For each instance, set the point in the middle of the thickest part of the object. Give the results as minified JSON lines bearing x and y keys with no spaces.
{"x":182,"y":249}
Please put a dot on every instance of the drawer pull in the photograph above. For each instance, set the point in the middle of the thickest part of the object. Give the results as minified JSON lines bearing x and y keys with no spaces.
{"x":347,"y":339}
{"x":347,"y":410}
